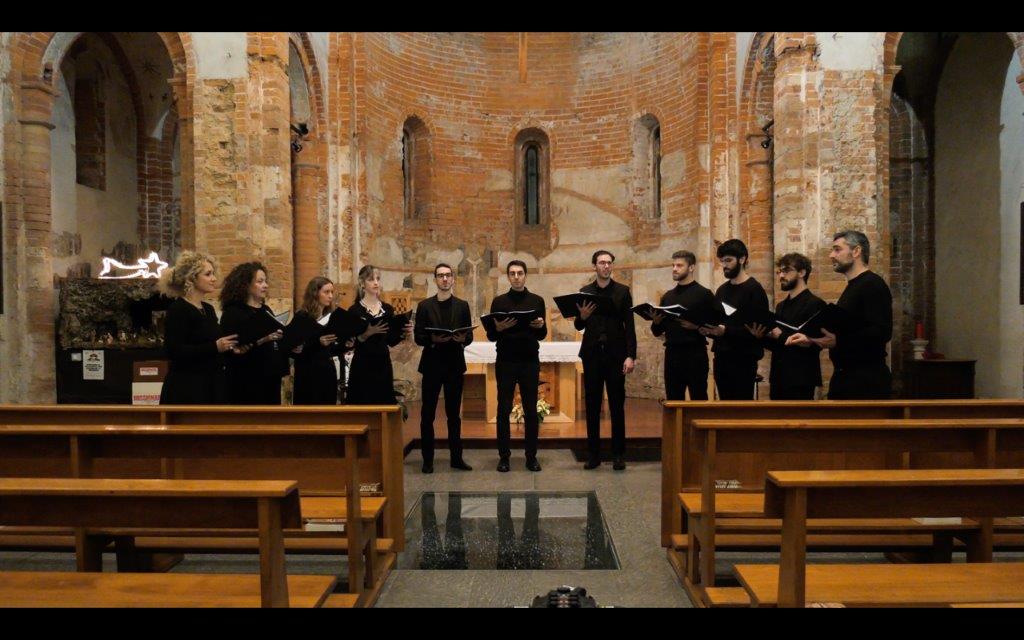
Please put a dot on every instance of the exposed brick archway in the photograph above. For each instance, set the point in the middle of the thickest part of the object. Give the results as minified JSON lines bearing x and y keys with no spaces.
{"x":312,"y":228}
{"x":756,"y":187}
{"x":27,"y":199}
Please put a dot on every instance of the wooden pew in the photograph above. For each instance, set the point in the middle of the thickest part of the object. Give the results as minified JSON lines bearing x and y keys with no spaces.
{"x":227,"y":452}
{"x":712,"y":514}
{"x":100,"y":509}
{"x":384,"y":466}
{"x":680,"y":461}
{"x":796,"y":496}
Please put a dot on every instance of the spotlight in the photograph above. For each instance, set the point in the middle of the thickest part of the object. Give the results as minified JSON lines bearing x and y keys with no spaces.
{"x":767,"y":142}
{"x":301,"y":129}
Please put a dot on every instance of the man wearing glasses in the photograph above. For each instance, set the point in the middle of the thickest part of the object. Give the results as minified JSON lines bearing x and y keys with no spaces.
{"x":796,"y":369}
{"x":443,"y":364}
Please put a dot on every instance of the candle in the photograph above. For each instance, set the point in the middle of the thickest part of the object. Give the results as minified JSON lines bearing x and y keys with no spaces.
{"x":919,"y":330}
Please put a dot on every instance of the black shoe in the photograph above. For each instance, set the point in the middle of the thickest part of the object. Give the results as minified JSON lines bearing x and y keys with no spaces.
{"x":593,"y":463}
{"x":428,"y":467}
{"x":532,"y":464}
{"x":461,"y":465}
{"x":619,"y":464}
{"x":503,"y":465}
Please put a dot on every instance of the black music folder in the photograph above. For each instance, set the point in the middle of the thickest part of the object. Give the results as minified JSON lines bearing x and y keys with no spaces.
{"x":567,"y":304}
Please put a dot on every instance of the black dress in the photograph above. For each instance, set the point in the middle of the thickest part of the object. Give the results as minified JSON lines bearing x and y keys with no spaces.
{"x":316,"y":379}
{"x":371,"y":378}
{"x":195,"y":374}
{"x":255,"y":376}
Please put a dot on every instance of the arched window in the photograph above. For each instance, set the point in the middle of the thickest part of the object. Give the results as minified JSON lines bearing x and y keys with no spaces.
{"x":407,"y":183}
{"x":647,"y":166}
{"x":532,"y":173}
{"x":656,"y":170}
{"x":415,"y":169}
{"x":532,"y":162}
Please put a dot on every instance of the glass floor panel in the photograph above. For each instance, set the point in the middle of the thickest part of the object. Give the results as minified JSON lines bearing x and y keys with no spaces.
{"x":512,"y":530}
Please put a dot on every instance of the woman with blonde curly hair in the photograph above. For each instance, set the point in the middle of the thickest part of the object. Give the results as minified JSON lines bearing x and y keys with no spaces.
{"x":370,"y":377}
{"x":192,"y":339}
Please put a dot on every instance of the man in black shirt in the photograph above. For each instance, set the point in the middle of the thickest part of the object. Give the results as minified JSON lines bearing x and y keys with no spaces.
{"x":518,"y":362}
{"x":608,"y":352}
{"x":686,"y":354}
{"x":858,"y":351}
{"x":796,"y":369}
{"x":442,"y":364}
{"x":736,"y":349}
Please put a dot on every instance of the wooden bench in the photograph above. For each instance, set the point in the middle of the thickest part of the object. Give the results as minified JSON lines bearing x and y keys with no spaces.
{"x":711,"y":513}
{"x":680,"y":459}
{"x":102,"y":509}
{"x":383,"y":467}
{"x":228,"y":452}
{"x":796,"y":496}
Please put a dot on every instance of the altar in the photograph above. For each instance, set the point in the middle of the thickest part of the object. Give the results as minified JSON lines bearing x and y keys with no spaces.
{"x":560,"y":370}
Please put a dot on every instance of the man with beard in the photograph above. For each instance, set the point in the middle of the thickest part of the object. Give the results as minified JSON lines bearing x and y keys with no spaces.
{"x":796,"y":369}
{"x":736,"y":349}
{"x":857,"y":352}
{"x":686,"y":354}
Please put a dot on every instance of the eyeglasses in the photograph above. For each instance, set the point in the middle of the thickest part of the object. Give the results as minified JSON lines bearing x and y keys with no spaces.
{"x":442,"y":276}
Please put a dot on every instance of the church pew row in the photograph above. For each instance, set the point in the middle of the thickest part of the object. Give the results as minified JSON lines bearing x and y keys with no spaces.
{"x":712,"y":514}
{"x":796,"y":496}
{"x":323,"y":459}
{"x":383,"y":467}
{"x":105,"y":509}
{"x":681,"y":459}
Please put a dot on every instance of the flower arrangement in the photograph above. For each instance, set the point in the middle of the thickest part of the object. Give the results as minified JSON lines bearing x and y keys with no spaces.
{"x":543,"y":409}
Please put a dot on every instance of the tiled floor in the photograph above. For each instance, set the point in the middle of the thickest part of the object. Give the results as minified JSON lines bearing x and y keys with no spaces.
{"x":629,"y":500}
{"x":510,"y":530}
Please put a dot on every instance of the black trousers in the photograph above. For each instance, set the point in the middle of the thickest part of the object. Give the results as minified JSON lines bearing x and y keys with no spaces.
{"x":870,"y":382}
{"x":603,"y":369}
{"x":686,"y":367}
{"x":432,"y":384}
{"x":790,"y":392}
{"x":527,"y":376}
{"x":734,"y":377}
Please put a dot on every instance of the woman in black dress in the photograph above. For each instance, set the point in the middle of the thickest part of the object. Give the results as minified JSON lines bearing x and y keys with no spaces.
{"x":254,"y":371}
{"x":370,"y":377}
{"x":316,"y":376}
{"x":192,"y":339}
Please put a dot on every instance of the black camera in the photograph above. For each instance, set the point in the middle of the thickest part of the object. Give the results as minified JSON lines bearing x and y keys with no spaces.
{"x":565,"y":597}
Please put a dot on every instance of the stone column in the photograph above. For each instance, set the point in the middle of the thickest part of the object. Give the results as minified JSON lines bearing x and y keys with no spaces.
{"x":309,"y":234}
{"x":34,"y":309}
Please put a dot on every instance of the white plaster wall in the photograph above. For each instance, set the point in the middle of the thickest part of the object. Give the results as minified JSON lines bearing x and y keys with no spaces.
{"x":978,"y":152}
{"x":102,"y":217}
{"x":850,"y":50}
{"x":220,"y":55}
{"x":1011,"y":168}
{"x":743,"y":40}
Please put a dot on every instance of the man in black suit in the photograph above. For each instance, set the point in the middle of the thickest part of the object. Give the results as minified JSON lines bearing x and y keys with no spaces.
{"x":608,"y":353}
{"x":518,"y":362}
{"x":443,"y":364}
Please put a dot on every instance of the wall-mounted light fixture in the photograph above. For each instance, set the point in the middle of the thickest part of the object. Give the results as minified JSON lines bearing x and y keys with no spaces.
{"x":301,"y":131}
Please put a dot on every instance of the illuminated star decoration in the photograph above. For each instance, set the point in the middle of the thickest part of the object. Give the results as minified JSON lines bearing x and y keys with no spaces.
{"x":143,"y":268}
